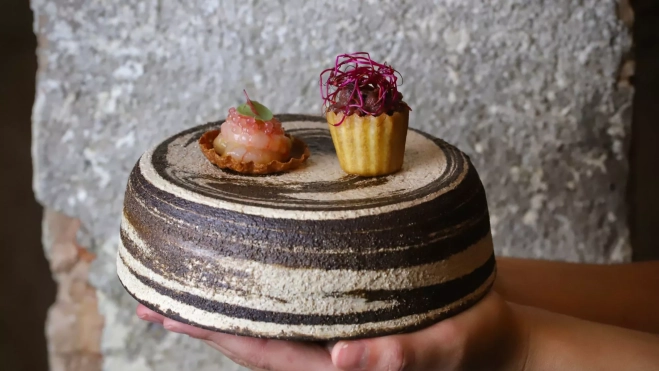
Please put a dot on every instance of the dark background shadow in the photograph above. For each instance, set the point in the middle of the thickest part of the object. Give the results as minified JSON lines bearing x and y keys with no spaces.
{"x":26,"y":286}
{"x":644,"y":153}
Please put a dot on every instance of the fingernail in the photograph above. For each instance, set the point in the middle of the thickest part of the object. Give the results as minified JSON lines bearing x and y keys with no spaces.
{"x":352,"y":356}
{"x":330,"y":346}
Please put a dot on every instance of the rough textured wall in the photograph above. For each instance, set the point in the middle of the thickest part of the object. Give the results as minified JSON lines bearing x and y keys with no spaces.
{"x":528,"y":90}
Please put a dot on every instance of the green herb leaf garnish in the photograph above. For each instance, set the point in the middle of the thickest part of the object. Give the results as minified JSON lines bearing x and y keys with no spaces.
{"x":255,"y":109}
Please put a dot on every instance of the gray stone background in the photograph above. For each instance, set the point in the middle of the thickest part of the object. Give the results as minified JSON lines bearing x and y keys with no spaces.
{"x":526,"y":88}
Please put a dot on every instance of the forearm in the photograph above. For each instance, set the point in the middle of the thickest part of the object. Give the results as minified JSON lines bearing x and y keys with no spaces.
{"x":625,"y":295}
{"x":558,"y":342}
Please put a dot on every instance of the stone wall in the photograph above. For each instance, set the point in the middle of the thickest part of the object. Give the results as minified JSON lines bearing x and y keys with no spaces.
{"x":74,"y":325}
{"x":528,"y":90}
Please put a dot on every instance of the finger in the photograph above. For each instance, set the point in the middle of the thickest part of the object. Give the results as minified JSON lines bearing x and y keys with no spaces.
{"x":231,"y":356}
{"x":147,"y":314}
{"x":438,"y":347}
{"x":417,"y":351}
{"x":260,"y":353}
{"x":274,"y":354}
{"x":182,"y":328}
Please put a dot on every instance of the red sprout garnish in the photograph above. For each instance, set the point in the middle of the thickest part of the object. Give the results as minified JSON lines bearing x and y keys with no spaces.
{"x":250,"y":104}
{"x":357,"y":71}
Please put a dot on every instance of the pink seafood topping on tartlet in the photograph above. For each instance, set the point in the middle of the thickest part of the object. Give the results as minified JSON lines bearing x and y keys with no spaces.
{"x":251,"y":139}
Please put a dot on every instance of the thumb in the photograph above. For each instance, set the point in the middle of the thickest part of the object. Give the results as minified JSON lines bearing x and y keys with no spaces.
{"x":427,"y":349}
{"x":488,"y":334}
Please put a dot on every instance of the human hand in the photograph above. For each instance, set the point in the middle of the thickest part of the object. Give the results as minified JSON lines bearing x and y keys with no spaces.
{"x":487,"y":336}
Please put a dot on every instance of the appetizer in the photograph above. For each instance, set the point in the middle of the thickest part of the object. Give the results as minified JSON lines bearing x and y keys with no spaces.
{"x":252,"y":141}
{"x":367,"y":116}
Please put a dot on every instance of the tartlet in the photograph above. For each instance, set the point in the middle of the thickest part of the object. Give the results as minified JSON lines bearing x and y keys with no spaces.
{"x":252,"y":141}
{"x":299,"y":154}
{"x":367,"y":116}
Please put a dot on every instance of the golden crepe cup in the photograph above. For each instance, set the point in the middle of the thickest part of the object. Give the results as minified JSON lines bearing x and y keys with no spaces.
{"x":369,"y":145}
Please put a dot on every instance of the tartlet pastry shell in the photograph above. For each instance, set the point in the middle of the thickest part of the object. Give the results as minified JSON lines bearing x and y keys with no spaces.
{"x":299,"y":154}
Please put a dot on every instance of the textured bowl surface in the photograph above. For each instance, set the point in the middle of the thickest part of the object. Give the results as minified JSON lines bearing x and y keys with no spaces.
{"x":311,"y":254}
